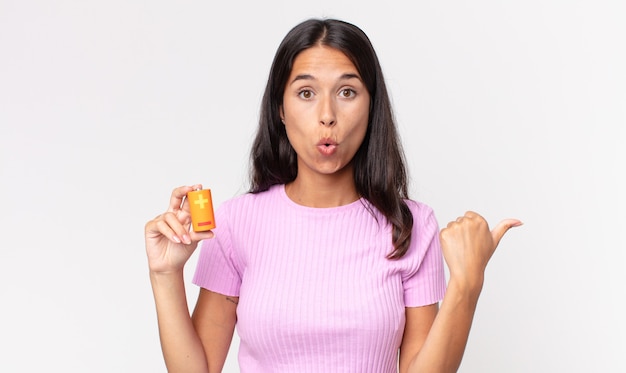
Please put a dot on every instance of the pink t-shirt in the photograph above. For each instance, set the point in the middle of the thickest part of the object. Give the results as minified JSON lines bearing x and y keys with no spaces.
{"x":317,"y":293}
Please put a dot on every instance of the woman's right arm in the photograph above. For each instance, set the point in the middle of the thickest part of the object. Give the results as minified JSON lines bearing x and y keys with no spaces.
{"x":169,"y":244}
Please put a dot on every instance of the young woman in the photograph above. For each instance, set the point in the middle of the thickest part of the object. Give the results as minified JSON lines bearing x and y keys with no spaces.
{"x":326,"y":264}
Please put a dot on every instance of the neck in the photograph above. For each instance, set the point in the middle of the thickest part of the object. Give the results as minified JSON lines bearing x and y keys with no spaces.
{"x":323,"y":190}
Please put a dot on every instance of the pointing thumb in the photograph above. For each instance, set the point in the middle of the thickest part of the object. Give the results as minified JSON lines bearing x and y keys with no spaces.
{"x":498,"y":232}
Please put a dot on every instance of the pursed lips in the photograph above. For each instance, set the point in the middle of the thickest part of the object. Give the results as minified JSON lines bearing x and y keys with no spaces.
{"x":327,"y":146}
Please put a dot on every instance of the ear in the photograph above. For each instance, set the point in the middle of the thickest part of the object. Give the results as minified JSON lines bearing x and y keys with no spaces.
{"x":281,"y":113}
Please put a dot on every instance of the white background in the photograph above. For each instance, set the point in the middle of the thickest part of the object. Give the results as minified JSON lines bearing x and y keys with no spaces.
{"x":512,"y":109}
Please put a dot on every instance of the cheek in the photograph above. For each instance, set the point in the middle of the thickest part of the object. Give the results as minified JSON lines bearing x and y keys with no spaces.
{"x":362,"y":130}
{"x":360,"y":134}
{"x":295,"y":134}
{"x":356,"y":114}
{"x":356,"y":135}
{"x":360,"y":124}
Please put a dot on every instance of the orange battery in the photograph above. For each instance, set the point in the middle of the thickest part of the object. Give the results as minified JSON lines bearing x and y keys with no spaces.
{"x":201,"y":207}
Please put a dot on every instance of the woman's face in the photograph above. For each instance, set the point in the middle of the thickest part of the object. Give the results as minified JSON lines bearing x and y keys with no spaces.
{"x":325,"y":111}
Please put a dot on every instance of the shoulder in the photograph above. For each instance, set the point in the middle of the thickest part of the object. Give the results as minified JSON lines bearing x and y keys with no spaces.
{"x":244,"y":202}
{"x":421,"y":211}
{"x":244,"y":212}
{"x":425,"y":224}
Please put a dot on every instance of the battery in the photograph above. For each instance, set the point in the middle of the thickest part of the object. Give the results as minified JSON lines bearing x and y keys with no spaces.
{"x":201,"y":208}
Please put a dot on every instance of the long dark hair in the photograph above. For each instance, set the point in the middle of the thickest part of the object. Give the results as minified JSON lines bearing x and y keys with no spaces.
{"x":379,"y":165}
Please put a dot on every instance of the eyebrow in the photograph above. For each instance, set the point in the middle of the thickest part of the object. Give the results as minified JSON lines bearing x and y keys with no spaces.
{"x":345,"y":76}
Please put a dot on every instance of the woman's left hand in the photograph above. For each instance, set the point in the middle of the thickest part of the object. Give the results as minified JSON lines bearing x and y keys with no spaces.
{"x":468,"y":244}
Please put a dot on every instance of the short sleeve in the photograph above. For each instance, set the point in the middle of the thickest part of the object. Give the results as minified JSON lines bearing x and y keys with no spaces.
{"x":424,"y":281}
{"x":216,"y":269}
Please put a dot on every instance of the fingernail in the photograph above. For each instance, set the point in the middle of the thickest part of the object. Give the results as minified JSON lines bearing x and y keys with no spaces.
{"x":186,"y":239}
{"x":176,"y":239}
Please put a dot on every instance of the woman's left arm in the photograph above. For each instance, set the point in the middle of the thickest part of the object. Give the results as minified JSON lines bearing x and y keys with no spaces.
{"x":467,"y":245}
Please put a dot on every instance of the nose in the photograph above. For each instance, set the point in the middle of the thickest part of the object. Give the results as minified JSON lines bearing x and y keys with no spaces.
{"x":327,"y":112}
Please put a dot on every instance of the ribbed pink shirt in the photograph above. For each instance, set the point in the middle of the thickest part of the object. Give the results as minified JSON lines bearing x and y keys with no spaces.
{"x":317,"y":293}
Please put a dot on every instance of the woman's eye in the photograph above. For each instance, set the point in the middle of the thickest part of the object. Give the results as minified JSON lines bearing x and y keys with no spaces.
{"x":347,"y":93}
{"x":306,"y":94}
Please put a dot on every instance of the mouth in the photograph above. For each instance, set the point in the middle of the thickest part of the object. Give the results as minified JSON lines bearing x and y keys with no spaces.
{"x":327,"y":146}
{"x":327,"y":142}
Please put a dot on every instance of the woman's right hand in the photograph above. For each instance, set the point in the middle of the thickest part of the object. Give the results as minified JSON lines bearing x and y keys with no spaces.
{"x":169,"y":241}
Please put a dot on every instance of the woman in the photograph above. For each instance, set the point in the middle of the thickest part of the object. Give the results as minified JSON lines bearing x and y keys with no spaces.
{"x":326,"y":265}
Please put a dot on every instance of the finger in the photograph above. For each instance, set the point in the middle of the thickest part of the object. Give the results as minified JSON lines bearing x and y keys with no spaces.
{"x":164,"y":229}
{"x":180,"y":230}
{"x":471,"y":214}
{"x":160,"y":227}
{"x":499,"y":230}
{"x":199,"y":236}
{"x":176,"y":199}
{"x":179,"y":224}
{"x":178,"y":195}
{"x":184,"y":217}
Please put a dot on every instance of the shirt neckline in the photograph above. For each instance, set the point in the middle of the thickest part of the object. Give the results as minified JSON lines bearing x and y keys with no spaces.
{"x":361,"y":202}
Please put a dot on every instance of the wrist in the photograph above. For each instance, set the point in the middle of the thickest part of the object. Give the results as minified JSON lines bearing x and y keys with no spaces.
{"x":466,"y":288}
{"x":166,"y":276}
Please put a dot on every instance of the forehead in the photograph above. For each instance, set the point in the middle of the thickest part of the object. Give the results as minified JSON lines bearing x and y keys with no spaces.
{"x":322,"y":58}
